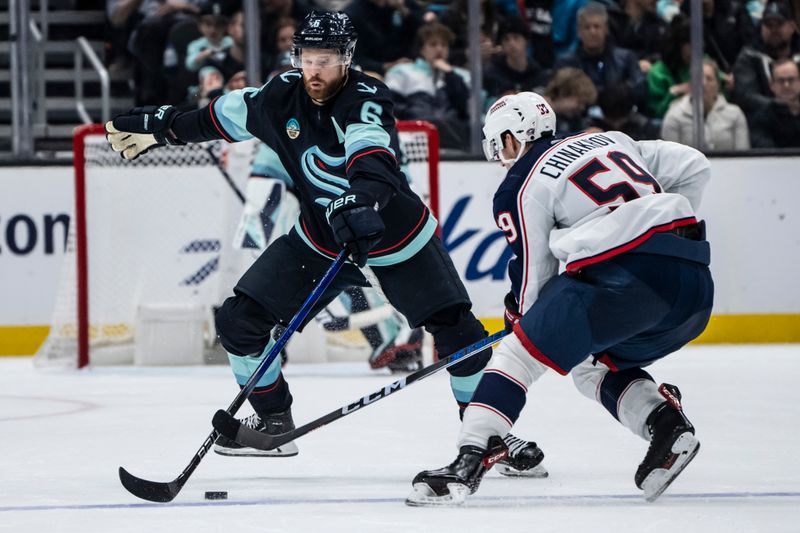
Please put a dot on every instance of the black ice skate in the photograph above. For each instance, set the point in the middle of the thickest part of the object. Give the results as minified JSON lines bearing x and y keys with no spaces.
{"x":524,"y":459}
{"x":672,"y":445}
{"x":403,"y":355}
{"x":452,"y":484}
{"x":273,"y":424}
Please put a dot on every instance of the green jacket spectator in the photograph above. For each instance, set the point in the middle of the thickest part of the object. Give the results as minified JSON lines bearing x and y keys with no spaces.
{"x":660,"y":83}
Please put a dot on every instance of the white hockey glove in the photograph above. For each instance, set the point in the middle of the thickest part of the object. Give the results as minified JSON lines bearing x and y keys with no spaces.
{"x":268,"y":213}
{"x":140,"y":129}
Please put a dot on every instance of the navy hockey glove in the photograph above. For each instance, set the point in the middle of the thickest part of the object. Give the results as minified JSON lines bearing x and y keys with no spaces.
{"x":511,"y":315}
{"x":356,"y":224}
{"x":135,"y":132}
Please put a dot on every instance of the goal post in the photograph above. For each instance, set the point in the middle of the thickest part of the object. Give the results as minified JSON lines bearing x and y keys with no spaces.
{"x":152,"y":237}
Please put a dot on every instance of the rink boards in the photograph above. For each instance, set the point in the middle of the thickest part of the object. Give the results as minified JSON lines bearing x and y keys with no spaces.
{"x":750,"y":206}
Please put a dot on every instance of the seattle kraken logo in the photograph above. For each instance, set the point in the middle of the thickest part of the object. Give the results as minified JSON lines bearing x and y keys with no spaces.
{"x":325,"y":172}
{"x":293,"y":128}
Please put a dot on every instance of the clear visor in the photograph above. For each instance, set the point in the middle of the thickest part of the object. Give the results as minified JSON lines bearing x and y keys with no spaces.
{"x":318,"y":58}
{"x":491,"y":149}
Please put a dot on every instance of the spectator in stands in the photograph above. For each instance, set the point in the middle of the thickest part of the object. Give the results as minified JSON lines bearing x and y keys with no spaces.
{"x":668,"y":9}
{"x":643,"y":32}
{"x":727,"y":27}
{"x":386,"y":31}
{"x":779,"y":40}
{"x":226,"y":72}
{"x":148,"y":43}
{"x":272,"y":12}
{"x":723,"y":123}
{"x":778,"y":124}
{"x":538,"y":17}
{"x":668,"y":78}
{"x":281,"y":60}
{"x":231,"y":62}
{"x":603,"y":62}
{"x":570,"y":92}
{"x":215,"y":39}
{"x":455,"y":18}
{"x":513,"y":70}
{"x":616,"y":112}
{"x":565,"y":26}
{"x":211,"y":85}
{"x":122,"y":17}
{"x":431,"y":88}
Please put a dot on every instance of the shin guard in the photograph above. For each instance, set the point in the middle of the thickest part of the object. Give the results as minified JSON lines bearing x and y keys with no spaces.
{"x":500,"y":396}
{"x":271,"y":393}
{"x":629,"y":395}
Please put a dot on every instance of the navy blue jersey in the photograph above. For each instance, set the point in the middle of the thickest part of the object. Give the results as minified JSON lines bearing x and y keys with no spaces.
{"x":323,"y":149}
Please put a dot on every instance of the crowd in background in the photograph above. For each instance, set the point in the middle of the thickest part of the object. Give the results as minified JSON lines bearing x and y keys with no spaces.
{"x":602,"y":65}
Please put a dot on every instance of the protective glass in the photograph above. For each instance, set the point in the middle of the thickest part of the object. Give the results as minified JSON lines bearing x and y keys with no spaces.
{"x":318,"y":58}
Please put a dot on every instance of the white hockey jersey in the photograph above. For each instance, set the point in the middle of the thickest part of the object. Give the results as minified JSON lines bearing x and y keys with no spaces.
{"x":583,"y":199}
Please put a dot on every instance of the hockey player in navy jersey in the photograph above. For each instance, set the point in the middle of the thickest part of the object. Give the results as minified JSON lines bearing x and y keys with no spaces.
{"x":331,"y":130}
{"x":619,"y":216}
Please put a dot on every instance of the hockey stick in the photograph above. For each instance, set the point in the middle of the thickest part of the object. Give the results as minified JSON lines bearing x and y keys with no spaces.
{"x":227,"y":425}
{"x":225,"y":174}
{"x":156,"y":491}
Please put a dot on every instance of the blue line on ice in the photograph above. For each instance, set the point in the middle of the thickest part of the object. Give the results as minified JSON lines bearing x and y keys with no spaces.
{"x":472,"y":501}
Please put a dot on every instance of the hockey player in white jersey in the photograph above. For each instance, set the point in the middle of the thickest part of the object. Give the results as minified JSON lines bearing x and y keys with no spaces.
{"x":619,"y":217}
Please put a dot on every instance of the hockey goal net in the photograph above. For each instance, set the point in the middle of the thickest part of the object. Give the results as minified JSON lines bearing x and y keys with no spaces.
{"x":150,"y":240}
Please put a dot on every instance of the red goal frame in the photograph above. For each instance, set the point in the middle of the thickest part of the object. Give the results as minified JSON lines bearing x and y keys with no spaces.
{"x":80,"y":218}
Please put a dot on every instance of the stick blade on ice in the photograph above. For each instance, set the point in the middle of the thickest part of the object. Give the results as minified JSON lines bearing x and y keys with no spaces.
{"x":154,"y":491}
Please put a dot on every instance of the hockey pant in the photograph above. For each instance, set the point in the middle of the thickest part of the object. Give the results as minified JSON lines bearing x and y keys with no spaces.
{"x":629,"y":395}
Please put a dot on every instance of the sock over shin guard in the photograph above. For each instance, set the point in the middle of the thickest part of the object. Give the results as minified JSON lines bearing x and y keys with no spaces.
{"x":500,"y":396}
{"x":630,"y":395}
{"x":271,"y":394}
{"x":454,"y":328}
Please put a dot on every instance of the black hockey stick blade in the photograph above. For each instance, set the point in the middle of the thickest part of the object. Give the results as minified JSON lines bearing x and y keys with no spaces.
{"x":154,"y":491}
{"x":225,"y":423}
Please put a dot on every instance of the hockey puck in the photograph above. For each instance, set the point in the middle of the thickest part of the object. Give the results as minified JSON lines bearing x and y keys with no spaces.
{"x":216,"y":495}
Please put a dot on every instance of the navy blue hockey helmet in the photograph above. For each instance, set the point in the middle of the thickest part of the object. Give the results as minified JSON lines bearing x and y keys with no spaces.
{"x":325,"y":30}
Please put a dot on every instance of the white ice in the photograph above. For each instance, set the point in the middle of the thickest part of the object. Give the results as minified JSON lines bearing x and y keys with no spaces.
{"x":63,"y":436}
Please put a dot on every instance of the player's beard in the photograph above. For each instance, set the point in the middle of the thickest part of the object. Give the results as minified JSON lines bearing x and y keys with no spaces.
{"x":326,"y":89}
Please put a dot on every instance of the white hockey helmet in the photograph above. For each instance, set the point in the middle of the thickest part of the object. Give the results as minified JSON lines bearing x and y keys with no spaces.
{"x":526,"y":115}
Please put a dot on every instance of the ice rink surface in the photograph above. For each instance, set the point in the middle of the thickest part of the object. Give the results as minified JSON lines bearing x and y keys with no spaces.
{"x":64,"y":434}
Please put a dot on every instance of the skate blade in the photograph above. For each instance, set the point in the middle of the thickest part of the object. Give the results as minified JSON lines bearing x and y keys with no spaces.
{"x":685,"y":447}
{"x":287,"y":450}
{"x":423,"y":496}
{"x":537,"y":471}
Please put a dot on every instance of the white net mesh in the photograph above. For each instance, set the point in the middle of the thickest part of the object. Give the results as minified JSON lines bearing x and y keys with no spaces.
{"x":158,"y":233}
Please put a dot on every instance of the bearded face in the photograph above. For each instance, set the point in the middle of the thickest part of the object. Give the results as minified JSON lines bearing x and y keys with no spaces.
{"x":323,"y":73}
